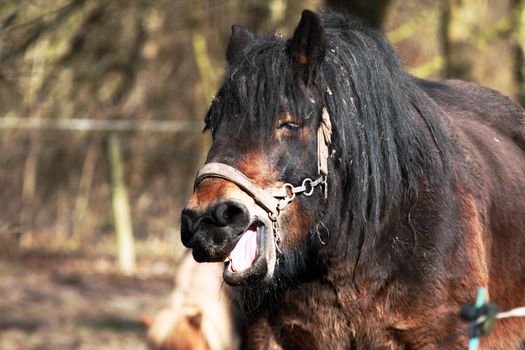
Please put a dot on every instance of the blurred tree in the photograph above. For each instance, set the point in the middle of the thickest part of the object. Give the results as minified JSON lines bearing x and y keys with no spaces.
{"x":85,"y":186}
{"x":207,"y":73}
{"x":374,"y":11}
{"x":459,"y":25}
{"x":31,"y":101}
{"x":519,"y":50}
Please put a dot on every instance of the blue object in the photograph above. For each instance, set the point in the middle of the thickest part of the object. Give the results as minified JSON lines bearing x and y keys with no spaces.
{"x":481,"y":297}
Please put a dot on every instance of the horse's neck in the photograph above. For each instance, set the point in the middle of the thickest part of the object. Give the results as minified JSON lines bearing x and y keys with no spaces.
{"x":415,"y":232}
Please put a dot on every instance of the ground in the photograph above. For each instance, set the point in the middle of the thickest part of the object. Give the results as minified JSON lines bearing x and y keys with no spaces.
{"x":57,"y":301}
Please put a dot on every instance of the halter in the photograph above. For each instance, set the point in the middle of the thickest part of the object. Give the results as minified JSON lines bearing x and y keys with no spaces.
{"x":274,"y":200}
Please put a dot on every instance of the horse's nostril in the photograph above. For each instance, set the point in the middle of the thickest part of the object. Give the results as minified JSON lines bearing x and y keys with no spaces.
{"x":228,"y":213}
{"x":188,"y":218}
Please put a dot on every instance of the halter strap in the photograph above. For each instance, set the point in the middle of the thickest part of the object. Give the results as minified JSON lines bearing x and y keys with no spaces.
{"x":324,"y":139}
{"x":274,"y":200}
{"x":261,"y":196}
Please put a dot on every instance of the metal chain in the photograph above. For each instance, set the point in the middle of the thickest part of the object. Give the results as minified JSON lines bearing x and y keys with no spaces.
{"x":290,"y":191}
{"x":287,"y":193}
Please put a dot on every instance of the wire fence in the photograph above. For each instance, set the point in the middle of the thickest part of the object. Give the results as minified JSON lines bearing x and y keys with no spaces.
{"x":57,"y":187}
{"x":104,"y":125}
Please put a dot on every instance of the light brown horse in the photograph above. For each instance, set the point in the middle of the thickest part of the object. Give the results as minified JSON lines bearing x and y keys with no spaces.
{"x":200,"y":314}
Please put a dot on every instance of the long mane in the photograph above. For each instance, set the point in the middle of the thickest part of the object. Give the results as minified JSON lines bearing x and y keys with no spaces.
{"x":388,"y":135}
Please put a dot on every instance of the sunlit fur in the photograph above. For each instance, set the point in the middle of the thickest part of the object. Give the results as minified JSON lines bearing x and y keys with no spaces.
{"x":200,"y":314}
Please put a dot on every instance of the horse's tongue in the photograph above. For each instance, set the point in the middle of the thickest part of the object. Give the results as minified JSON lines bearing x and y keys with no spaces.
{"x":243,"y":255}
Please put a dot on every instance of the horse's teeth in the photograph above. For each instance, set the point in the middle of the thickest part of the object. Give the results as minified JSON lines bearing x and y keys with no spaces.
{"x":228,"y":258}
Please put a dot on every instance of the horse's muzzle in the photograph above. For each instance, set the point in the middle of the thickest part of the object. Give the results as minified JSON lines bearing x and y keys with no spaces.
{"x":212,"y":233}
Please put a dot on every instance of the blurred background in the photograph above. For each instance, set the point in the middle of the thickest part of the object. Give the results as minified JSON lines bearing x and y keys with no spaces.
{"x":101,"y":108}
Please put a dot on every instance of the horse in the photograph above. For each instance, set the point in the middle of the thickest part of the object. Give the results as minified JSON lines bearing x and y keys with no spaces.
{"x":356,"y":206}
{"x":200,"y":315}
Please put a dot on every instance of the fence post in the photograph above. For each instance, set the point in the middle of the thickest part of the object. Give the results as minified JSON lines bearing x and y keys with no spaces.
{"x":121,"y":209}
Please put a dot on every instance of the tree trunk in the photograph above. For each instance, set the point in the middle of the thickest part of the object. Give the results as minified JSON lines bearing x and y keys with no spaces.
{"x":519,"y":50}
{"x":373,"y":11}
{"x":459,"y":27}
{"x":31,"y":165}
{"x":206,"y":72}
{"x":121,"y":210}
{"x":84,"y":190}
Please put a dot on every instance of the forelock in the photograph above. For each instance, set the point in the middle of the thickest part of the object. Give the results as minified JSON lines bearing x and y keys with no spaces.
{"x":258,"y":85}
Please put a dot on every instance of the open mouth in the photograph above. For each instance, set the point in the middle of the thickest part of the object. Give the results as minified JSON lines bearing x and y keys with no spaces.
{"x":254,"y":256}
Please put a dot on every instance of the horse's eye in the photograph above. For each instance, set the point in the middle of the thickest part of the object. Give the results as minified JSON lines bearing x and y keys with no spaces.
{"x":288,"y":125}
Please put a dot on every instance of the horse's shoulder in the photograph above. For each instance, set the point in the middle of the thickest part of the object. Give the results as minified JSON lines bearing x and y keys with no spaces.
{"x":469,"y":96}
{"x":473,"y":103}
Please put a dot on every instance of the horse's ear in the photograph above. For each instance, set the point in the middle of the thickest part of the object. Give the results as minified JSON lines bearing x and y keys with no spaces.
{"x":195,"y":320}
{"x":241,"y":37}
{"x":308,"y":42}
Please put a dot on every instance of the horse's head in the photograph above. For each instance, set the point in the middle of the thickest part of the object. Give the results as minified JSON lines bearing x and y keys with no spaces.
{"x":263,"y":187}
